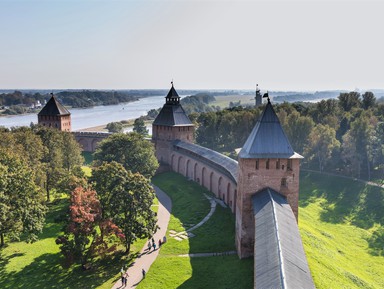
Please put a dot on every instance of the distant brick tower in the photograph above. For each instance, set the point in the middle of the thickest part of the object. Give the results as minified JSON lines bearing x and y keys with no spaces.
{"x":258,"y":96}
{"x":266,"y":160}
{"x":171,"y":124}
{"x":55,"y":115}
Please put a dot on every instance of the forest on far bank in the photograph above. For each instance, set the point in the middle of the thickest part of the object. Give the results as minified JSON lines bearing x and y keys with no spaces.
{"x":343,"y":135}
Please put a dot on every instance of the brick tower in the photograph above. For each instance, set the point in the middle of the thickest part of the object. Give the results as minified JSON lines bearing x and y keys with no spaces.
{"x":55,"y":115}
{"x":266,"y":160}
{"x":171,"y":124}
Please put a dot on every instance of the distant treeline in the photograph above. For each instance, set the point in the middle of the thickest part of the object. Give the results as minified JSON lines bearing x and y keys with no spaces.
{"x":343,"y":135}
{"x":84,"y":98}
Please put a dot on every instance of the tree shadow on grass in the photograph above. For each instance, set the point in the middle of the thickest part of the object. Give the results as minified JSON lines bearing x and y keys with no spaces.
{"x":46,"y":272}
{"x":346,"y":201}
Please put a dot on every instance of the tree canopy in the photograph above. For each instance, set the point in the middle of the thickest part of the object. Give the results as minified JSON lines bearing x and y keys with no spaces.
{"x":131,"y":150}
{"x":22,"y":208}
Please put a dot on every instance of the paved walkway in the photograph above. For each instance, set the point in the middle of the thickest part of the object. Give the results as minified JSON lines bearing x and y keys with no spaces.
{"x":145,"y":260}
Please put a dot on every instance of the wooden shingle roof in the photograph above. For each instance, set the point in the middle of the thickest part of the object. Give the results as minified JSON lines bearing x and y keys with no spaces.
{"x":267,"y":139}
{"x":54,"y":107}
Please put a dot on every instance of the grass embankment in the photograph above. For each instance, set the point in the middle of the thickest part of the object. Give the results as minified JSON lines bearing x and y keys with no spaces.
{"x":38,"y":265}
{"x":340,"y":221}
{"x":189,"y":206}
{"x":223,"y":100}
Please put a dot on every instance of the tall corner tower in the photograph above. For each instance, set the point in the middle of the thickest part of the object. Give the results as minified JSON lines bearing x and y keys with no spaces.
{"x":266,"y":160}
{"x":171,"y":124}
{"x":258,"y":96}
{"x":55,"y":115}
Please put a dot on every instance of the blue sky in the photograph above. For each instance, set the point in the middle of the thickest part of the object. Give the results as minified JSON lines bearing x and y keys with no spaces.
{"x":282,"y":45}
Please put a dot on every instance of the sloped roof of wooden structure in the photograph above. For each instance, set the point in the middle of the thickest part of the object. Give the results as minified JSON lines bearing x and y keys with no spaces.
{"x":172,"y":113}
{"x":280,"y":260}
{"x":54,"y":107}
{"x":267,"y":139}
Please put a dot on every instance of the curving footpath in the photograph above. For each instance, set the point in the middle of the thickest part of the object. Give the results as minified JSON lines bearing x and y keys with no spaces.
{"x":145,"y":260}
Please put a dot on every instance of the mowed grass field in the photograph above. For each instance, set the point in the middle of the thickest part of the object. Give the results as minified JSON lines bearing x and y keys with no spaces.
{"x":340,"y":223}
{"x":223,"y":100}
{"x":190,"y":206}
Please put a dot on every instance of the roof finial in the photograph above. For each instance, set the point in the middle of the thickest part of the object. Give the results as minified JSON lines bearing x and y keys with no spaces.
{"x":52,"y":93}
{"x":267,"y":95}
{"x":172,"y":82}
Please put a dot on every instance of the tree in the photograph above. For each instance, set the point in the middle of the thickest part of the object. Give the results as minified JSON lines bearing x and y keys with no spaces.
{"x":105,"y":178}
{"x":72,"y":157}
{"x":131,"y":150}
{"x":86,"y":231}
{"x":139,"y":127}
{"x":349,"y":100}
{"x":369,"y":100}
{"x":61,"y":159}
{"x":322,"y":141}
{"x":298,"y":129}
{"x":126,"y":198}
{"x":22,"y":208}
{"x":360,"y":137}
{"x":115,"y":127}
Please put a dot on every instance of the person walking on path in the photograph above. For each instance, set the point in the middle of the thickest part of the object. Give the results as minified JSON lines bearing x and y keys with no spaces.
{"x":145,"y":260}
{"x":125,"y":278}
{"x":149,"y":246}
{"x":122,"y":272}
{"x":154,"y":246}
{"x":160,"y":243}
{"x":143,"y":272}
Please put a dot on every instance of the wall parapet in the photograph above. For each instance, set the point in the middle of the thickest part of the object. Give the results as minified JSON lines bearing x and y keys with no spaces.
{"x":220,"y":162}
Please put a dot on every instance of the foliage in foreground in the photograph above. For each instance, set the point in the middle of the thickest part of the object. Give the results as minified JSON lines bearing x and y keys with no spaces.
{"x":131,"y":150}
{"x":126,"y":199}
{"x":87,"y":234}
{"x":22,"y":208}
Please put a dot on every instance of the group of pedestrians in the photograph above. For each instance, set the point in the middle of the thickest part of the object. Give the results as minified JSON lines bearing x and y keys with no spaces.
{"x":124,"y":276}
{"x":152,"y":243}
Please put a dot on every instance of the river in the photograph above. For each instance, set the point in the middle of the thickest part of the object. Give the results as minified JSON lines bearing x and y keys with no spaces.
{"x":83,"y":118}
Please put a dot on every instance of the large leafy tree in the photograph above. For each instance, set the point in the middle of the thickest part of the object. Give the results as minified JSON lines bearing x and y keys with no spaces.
{"x":349,"y":100}
{"x":115,"y":127}
{"x":322,"y":141}
{"x":22,"y":208}
{"x":139,"y":126}
{"x":131,"y":150}
{"x":298,"y":129}
{"x":61,"y":160}
{"x":86,"y":233}
{"x":126,"y":198}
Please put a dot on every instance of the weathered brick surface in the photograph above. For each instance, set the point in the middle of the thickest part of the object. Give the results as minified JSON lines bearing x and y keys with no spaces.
{"x":250,"y":181}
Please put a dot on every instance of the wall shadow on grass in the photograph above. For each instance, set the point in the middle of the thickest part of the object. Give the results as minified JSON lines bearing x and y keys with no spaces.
{"x":216,"y":235}
{"x":345,"y":201}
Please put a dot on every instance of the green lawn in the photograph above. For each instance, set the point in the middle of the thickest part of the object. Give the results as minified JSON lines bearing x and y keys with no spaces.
{"x":38,"y":265}
{"x":189,"y":206}
{"x":338,"y":219}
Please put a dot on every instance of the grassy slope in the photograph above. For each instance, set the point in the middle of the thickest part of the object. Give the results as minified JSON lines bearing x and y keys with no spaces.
{"x":189,"y":206}
{"x":336,"y":221}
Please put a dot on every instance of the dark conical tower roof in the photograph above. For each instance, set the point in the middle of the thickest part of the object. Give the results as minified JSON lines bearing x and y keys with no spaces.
{"x":172,"y":113}
{"x":267,"y":139}
{"x":54,"y":107}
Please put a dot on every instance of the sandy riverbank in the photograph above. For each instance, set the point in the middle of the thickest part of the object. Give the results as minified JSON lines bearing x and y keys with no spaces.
{"x":99,"y":128}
